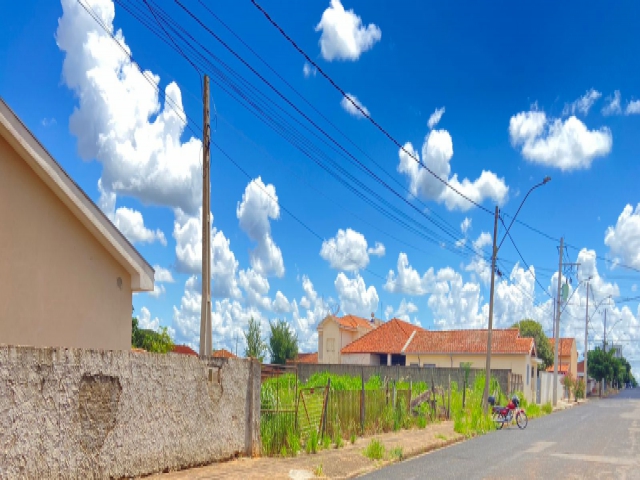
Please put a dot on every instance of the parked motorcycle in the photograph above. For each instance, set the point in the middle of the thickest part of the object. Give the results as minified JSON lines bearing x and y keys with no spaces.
{"x":503,"y":415}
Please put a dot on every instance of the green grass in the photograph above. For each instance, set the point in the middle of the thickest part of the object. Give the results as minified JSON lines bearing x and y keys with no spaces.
{"x":326,"y":442}
{"x":338,"y":441}
{"x":375,"y":450}
{"x":421,"y":421}
{"x":442,"y":437}
{"x":312,"y":442}
{"x":352,"y":439}
{"x":396,"y":453}
{"x":547,"y":408}
{"x":318,"y":470}
{"x":471,"y":420}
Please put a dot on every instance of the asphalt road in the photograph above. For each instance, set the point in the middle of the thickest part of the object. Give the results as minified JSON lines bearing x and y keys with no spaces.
{"x":599,"y":439}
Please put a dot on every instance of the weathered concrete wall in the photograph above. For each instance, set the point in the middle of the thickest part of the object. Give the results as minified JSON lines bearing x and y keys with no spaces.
{"x":71,"y":413}
{"x":440,"y":376}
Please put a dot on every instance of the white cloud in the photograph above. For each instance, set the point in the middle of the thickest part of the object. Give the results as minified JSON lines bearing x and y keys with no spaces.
{"x":455,"y":304}
{"x":158,"y":290}
{"x":48,"y":122}
{"x":162,"y":275}
{"x":404,"y":311}
{"x":465,"y":225}
{"x":351,"y":109}
{"x":344,"y":37}
{"x":633,"y":108}
{"x":281,"y":303}
{"x":119,"y":120}
{"x":145,"y":321}
{"x":483,"y":240}
{"x":623,"y":240}
{"x":378,"y":250}
{"x":437,"y":152}
{"x":308,"y":70}
{"x":567,"y":145}
{"x":256,"y":287}
{"x":583,"y":104}
{"x":131,"y":224}
{"x":355,"y":298}
{"x":408,"y":281}
{"x":187,"y":231}
{"x":260,"y":205}
{"x":613,"y":105}
{"x":347,"y":250}
{"x":435,"y":117}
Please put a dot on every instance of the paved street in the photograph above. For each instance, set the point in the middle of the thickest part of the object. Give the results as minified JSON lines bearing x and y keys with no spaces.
{"x":600,"y":439}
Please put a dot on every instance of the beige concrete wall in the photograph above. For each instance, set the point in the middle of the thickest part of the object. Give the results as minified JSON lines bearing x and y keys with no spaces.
{"x":516,"y":363}
{"x":330,"y":334}
{"x":70,"y":413}
{"x":360,"y":359}
{"x":58,"y":285}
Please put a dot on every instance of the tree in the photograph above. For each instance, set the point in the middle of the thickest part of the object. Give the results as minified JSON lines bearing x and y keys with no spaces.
{"x":149,"y":340}
{"x":601,"y":365}
{"x":283,"y":343}
{"x":256,"y":348}
{"x":531,"y":328}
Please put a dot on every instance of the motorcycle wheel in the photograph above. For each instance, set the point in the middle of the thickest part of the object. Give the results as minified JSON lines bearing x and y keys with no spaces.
{"x":521,"y":420}
{"x":499,"y":420}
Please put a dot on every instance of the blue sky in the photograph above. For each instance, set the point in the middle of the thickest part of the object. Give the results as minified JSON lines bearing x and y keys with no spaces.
{"x":509,"y":77}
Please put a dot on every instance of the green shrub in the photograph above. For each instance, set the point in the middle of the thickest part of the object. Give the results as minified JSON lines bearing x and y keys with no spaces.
{"x":326,"y":442}
{"x":421,"y":421}
{"x":547,"y":408}
{"x":375,"y":450}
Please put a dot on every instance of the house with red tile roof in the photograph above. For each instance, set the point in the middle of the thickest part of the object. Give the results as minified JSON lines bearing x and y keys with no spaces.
{"x":382,"y":345}
{"x":305,"y":358}
{"x":567,"y":356}
{"x":184,"y":350}
{"x":451,"y":348}
{"x":222,"y":353}
{"x":335,"y":333}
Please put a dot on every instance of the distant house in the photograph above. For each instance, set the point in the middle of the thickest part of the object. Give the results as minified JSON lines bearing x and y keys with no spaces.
{"x":67,"y":274}
{"x":381,"y":346}
{"x":567,"y":356}
{"x":184,"y":350}
{"x":335,"y":333}
{"x":304,"y":358}
{"x":222,"y":353}
{"x":452,"y":348}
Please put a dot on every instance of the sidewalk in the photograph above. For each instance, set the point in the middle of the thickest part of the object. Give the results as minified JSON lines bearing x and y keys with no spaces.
{"x":346,"y":462}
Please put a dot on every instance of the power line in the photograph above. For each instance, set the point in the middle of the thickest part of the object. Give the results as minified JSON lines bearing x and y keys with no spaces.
{"x":261,"y":113}
{"x":362,"y":111}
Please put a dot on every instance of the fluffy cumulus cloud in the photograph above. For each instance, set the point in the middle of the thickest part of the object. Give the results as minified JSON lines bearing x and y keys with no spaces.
{"x":349,"y":250}
{"x":119,"y":120}
{"x":259,"y":205}
{"x":158,"y":290}
{"x":623,"y":239}
{"x":256,"y":288}
{"x":355,"y":297}
{"x":145,"y":321}
{"x":437,"y":152}
{"x":407,"y":280}
{"x":353,"y":107}
{"x":187,"y":231}
{"x":162,"y":275}
{"x":435,"y":117}
{"x":403,"y":312}
{"x":583,"y":104}
{"x":454,"y":303}
{"x":131,"y":224}
{"x":563,"y":144}
{"x":344,"y":37}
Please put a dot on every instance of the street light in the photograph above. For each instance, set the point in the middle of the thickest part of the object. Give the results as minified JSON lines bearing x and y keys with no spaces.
{"x":494,"y":254}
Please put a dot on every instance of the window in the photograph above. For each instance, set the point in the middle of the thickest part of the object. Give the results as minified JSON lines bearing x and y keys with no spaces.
{"x":414,"y":365}
{"x":429,"y":365}
{"x":527,"y":376}
{"x":331,"y":344}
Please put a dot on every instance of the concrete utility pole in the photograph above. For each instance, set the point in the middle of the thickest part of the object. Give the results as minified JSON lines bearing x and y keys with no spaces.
{"x":205,"y":314}
{"x":556,"y":328}
{"x":490,"y":329}
{"x":604,"y":338}
{"x":586,"y":343}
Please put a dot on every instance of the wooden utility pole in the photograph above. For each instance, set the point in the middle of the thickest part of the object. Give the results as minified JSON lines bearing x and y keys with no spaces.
{"x":205,"y":314}
{"x":556,"y":327}
{"x":485,"y":399}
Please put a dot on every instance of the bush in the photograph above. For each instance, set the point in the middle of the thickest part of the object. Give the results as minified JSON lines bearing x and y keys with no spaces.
{"x":396,"y":453}
{"x":375,"y":450}
{"x":580,"y":389}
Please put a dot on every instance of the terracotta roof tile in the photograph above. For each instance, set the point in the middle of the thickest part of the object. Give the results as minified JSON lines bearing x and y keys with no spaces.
{"x":390,"y":337}
{"x":561,"y":368}
{"x":565,"y":346}
{"x":223,"y":354}
{"x":581,"y":366}
{"x":184,"y":350}
{"x":351,"y":321}
{"x":469,"y":341}
{"x":305,"y":358}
